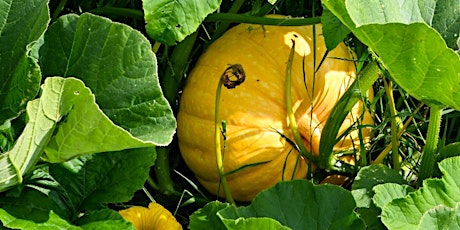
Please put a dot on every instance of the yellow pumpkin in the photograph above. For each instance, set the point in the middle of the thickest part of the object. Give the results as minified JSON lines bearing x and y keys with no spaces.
{"x":255,"y":111}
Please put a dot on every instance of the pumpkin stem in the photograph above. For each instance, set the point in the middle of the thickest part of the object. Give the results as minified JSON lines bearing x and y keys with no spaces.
{"x":233,"y":76}
{"x":292,"y":121}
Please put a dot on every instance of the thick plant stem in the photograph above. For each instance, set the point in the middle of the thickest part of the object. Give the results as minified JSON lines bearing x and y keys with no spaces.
{"x":394,"y":126}
{"x":170,"y":84}
{"x":163,"y":172}
{"x":292,"y":121}
{"x":432,"y":137}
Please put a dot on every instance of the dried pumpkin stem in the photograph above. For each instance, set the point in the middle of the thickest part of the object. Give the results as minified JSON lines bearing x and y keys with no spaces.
{"x":232,"y":77}
{"x":292,"y":121}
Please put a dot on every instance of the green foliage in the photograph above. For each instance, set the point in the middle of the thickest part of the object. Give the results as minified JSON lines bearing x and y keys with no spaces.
{"x":414,"y":53}
{"x":100,"y":112}
{"x":297,"y":204}
{"x":170,"y":21}
{"x":363,"y":191}
{"x":81,"y":110}
{"x":21,"y":25}
{"x":117,"y":64}
{"x":438,"y":198}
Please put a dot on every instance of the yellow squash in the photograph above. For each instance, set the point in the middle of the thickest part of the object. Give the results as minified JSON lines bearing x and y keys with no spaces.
{"x":255,"y":111}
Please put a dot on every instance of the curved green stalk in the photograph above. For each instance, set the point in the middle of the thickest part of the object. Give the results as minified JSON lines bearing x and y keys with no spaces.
{"x":243,"y":18}
{"x":292,"y":121}
{"x":360,"y":86}
{"x":233,"y":76}
{"x":394,"y":126}
{"x":218,"y":147}
{"x":429,"y":152}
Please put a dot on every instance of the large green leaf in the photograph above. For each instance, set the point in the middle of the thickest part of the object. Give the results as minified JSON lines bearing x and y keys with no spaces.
{"x":413,"y":52}
{"x":206,"y":217}
{"x":362,"y":189}
{"x":117,"y":64}
{"x":25,"y":212}
{"x":170,"y":21}
{"x":89,"y":182}
{"x":85,"y":129}
{"x":442,"y":217}
{"x":300,"y":204}
{"x":82,"y":129}
{"x":104,"y":219}
{"x":408,"y":212}
{"x":37,"y":210}
{"x":21,"y":24}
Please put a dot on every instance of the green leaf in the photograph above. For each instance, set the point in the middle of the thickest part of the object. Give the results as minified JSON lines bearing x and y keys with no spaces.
{"x":441,"y":217}
{"x":84,"y":129}
{"x":413,"y":52}
{"x":104,"y":219}
{"x":21,"y":24}
{"x":407,"y":212}
{"x":170,"y":21}
{"x":92,"y":181}
{"x":370,"y":176}
{"x":299,"y":204}
{"x":385,"y":193}
{"x":333,"y":30}
{"x":446,"y":20}
{"x":117,"y":64}
{"x":253,"y":223}
{"x":362,"y":191}
{"x":25,"y":212}
{"x":206,"y":217}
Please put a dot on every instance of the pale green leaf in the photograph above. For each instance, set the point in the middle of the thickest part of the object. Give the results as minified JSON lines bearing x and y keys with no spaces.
{"x":414,"y":53}
{"x":85,"y":128}
{"x":254,"y":223}
{"x":385,"y":193}
{"x":407,"y":212}
{"x":441,"y":217}
{"x":362,"y":191}
{"x":170,"y":21}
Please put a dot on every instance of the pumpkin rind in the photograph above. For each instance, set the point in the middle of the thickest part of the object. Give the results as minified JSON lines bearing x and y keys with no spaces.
{"x":255,"y":111}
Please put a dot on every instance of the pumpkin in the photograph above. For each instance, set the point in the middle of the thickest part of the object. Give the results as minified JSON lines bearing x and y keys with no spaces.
{"x":258,"y":149}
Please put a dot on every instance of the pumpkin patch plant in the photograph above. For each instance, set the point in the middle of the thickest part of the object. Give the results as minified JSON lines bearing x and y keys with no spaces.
{"x":229,"y":114}
{"x":260,"y":148}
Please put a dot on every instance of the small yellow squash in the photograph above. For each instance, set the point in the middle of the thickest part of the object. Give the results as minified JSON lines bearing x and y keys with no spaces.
{"x":255,"y":111}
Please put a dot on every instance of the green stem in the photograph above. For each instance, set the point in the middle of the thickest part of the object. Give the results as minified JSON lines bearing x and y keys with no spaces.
{"x":218,"y":147}
{"x":174,"y":73}
{"x":233,"y":76}
{"x":292,"y":121}
{"x":432,"y":137}
{"x":163,"y":172}
{"x":358,"y":88}
{"x":224,"y":25}
{"x":394,"y":126}
{"x":243,"y":18}
{"x":118,"y":11}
